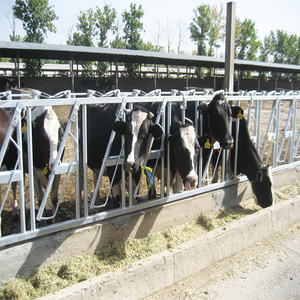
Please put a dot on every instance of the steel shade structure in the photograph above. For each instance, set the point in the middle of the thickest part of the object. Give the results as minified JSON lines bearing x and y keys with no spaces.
{"x":83,"y":53}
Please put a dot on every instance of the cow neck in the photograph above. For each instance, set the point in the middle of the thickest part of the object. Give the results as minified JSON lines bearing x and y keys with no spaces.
{"x":209,"y":128}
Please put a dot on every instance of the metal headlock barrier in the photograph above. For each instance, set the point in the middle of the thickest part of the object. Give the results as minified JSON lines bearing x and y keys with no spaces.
{"x":277,"y":144}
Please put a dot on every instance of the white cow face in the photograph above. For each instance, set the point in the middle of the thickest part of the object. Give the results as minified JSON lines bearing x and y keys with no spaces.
{"x":45,"y":133}
{"x":138,"y":131}
{"x":185,"y":146}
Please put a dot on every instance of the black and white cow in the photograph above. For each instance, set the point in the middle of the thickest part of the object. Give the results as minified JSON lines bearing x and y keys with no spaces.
{"x":47,"y":132}
{"x":216,"y":120}
{"x":248,"y":161}
{"x":138,"y":130}
{"x":184,"y":151}
{"x":250,"y":164}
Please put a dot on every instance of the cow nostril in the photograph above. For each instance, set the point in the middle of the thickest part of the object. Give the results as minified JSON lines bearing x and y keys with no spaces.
{"x":129,"y":167}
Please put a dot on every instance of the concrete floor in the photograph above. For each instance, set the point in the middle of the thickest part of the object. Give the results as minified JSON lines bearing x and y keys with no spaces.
{"x":268,"y":270}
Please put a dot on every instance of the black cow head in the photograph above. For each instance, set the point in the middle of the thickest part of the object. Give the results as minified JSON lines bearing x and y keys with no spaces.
{"x":262,"y":187}
{"x":184,"y":151}
{"x":218,"y":114}
{"x":138,"y":131}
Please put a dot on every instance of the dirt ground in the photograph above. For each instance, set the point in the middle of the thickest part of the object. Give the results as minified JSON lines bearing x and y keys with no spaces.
{"x":66,"y":210}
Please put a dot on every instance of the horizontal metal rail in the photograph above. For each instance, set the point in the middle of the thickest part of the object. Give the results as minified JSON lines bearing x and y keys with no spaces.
{"x":275,"y":136}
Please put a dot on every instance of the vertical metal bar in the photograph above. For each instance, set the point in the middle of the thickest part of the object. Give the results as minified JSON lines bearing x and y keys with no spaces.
{"x":72,"y":74}
{"x":162,"y":176}
{"x":117,"y":73}
{"x":21,"y":182}
{"x":155,"y":75}
{"x":229,"y":51}
{"x":19,"y":76}
{"x":84,"y":159}
{"x":187,"y":77}
{"x":169,"y":111}
{"x":123,"y":200}
{"x":77,"y":179}
{"x":276,"y":125}
{"x":30,"y":169}
{"x":293,"y":129}
{"x":130,"y":191}
{"x":258,"y":108}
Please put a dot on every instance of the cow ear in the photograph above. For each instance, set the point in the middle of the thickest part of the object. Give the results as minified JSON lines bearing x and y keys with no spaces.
{"x":119,"y":127}
{"x":127,"y":111}
{"x":235,"y":110}
{"x":150,"y":115}
{"x":189,"y":121}
{"x":203,"y":107}
{"x":156,"y":131}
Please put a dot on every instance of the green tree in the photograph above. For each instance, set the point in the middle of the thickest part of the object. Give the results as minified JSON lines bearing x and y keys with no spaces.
{"x":104,"y":20}
{"x":200,"y":27}
{"x":85,"y":29}
{"x":281,"y":47}
{"x":118,"y":41}
{"x":132,"y":34}
{"x":217,"y":29}
{"x":266,"y":49}
{"x":246,"y":41}
{"x":84,"y":37}
{"x":37,"y":19}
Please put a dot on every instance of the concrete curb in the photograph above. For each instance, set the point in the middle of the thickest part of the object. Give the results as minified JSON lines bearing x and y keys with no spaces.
{"x":162,"y":270}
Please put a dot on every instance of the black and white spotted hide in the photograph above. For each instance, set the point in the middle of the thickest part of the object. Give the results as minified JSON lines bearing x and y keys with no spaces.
{"x":138,"y":131}
{"x":184,"y":151}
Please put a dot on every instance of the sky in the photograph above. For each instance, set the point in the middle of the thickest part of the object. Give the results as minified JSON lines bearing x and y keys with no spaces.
{"x":166,"y":16}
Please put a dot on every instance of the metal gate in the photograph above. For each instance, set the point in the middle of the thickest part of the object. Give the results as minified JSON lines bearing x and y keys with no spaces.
{"x":277,"y":142}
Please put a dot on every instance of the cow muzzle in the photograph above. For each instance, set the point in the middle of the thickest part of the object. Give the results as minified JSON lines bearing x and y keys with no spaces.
{"x":131,"y":167}
{"x":227,"y":143}
{"x":191,"y":181}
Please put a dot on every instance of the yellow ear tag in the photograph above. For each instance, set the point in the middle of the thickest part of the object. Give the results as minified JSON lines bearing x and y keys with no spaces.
{"x":24,"y":128}
{"x":207,"y":144}
{"x":240,"y":115}
{"x":45,"y":171}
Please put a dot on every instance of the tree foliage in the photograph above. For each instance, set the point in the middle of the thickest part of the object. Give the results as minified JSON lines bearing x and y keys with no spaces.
{"x":200,"y":27}
{"x":104,"y":20}
{"x":281,"y":47}
{"x":246,"y":41}
{"x":37,"y":19}
{"x":132,"y":34}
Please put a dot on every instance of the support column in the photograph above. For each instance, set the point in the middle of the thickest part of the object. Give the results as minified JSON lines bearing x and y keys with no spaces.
{"x":72,"y":73}
{"x":117,"y":73}
{"x":229,"y":51}
{"x":18,"y":71}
